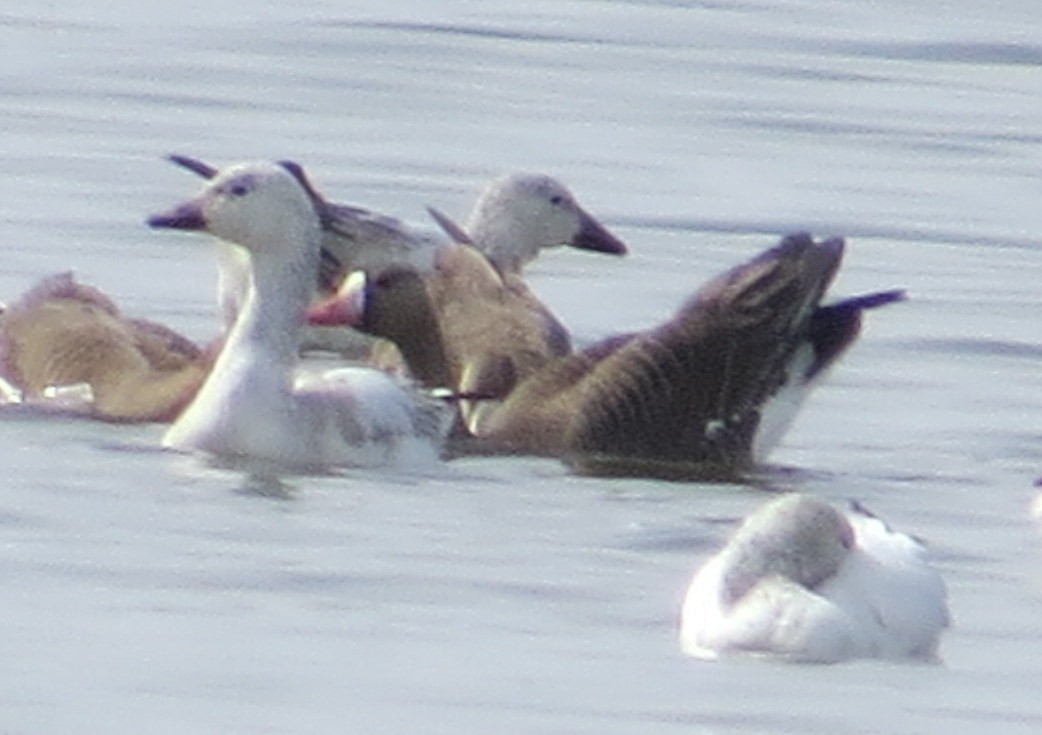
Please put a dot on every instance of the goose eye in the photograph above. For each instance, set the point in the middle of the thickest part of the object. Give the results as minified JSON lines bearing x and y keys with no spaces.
{"x":238,"y":190}
{"x":556,"y":199}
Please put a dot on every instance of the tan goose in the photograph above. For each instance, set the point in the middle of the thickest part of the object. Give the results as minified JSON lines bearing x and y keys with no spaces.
{"x":64,"y":338}
{"x":465,"y":326}
{"x":706,"y":395}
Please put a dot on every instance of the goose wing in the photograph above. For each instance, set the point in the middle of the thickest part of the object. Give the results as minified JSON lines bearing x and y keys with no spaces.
{"x":686,"y":397}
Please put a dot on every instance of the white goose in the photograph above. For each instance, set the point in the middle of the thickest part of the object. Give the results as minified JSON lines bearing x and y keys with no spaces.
{"x":520,"y":214}
{"x":253,"y":404}
{"x":806,"y":582}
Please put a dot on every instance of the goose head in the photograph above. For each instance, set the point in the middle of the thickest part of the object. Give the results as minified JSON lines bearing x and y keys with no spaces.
{"x":394,"y":305}
{"x":380,"y":305}
{"x":519,"y":214}
{"x":352,"y":238}
{"x":798,"y":537}
{"x":259,"y":206}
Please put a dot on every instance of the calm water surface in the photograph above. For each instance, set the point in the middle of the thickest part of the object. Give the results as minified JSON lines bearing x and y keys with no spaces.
{"x":148,"y":591}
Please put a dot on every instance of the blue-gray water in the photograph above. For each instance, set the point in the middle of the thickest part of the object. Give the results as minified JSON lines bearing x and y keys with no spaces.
{"x":145,"y":591}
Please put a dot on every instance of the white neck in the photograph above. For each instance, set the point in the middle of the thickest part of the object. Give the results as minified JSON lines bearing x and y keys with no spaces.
{"x":272,"y":314}
{"x":233,"y":281}
{"x":263,"y":344}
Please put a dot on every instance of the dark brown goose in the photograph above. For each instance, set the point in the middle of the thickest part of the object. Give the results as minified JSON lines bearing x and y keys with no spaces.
{"x":706,"y":395}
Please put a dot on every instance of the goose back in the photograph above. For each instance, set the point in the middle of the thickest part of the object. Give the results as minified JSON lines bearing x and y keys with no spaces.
{"x":487,"y":318}
{"x":64,"y":333}
{"x":465,"y":326}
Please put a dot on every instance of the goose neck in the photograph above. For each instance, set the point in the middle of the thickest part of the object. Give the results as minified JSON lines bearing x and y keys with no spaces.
{"x":272,"y":314}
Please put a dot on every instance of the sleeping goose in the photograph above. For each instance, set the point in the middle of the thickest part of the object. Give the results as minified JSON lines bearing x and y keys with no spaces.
{"x":706,"y":395}
{"x":65,"y":340}
{"x":254,"y":403}
{"x":807,"y":582}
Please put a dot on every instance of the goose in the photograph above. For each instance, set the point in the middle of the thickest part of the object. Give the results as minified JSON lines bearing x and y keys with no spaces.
{"x":515,"y":217}
{"x":255,"y":404}
{"x":352,"y":237}
{"x":804,"y":581}
{"x":465,"y":326}
{"x":520,"y":214}
{"x":65,"y":345}
{"x":707,"y":395}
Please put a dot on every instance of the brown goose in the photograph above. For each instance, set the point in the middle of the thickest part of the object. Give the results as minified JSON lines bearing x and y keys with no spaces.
{"x":65,"y":335}
{"x":465,"y":326}
{"x":706,"y":395}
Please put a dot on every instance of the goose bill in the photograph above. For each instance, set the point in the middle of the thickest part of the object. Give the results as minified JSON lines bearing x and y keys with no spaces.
{"x":188,"y":216}
{"x":592,"y":235}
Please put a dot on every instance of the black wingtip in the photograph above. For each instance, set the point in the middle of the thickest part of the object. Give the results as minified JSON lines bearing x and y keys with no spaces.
{"x":298,"y":172}
{"x":875,"y":300}
{"x":833,"y":328}
{"x":322,"y":207}
{"x":194,"y":165}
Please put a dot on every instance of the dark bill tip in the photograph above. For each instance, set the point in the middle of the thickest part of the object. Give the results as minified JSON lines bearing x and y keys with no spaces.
{"x":194,"y":165}
{"x":594,"y":236}
{"x":185,"y":217}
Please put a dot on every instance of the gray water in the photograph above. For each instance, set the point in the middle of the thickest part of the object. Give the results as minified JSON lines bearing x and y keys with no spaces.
{"x":144,"y":591}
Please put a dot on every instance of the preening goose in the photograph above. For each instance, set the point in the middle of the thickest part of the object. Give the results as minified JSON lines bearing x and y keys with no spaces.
{"x":64,"y":339}
{"x":706,"y":395}
{"x":807,"y":582}
{"x":254,"y":404}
